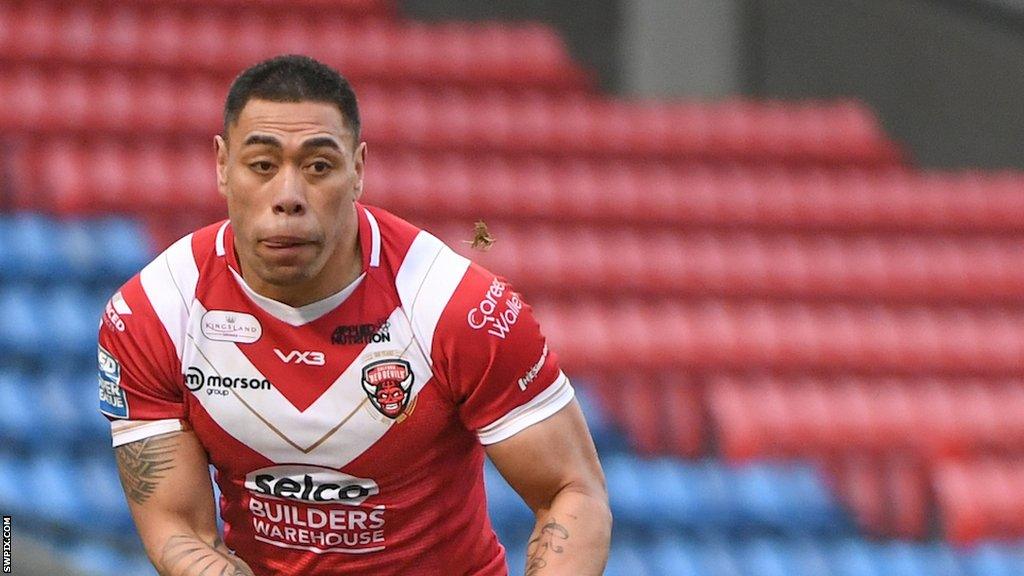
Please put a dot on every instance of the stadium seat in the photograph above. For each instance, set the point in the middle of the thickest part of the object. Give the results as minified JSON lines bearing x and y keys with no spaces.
{"x":930,"y":417}
{"x":619,"y":261}
{"x":980,"y":497}
{"x":219,"y":42}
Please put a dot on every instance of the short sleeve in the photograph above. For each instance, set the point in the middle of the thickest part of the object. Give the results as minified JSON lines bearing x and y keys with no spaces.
{"x":139,"y":376}
{"x":502,"y":372}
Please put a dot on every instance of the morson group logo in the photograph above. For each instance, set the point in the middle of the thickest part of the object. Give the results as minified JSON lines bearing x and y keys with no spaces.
{"x":388,"y":383}
{"x":195,"y":380}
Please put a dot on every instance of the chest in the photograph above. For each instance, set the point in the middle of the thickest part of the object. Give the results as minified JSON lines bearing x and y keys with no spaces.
{"x":323,"y":394}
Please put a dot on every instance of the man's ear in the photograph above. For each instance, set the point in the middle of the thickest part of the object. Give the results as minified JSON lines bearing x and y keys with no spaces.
{"x":360,"y":165}
{"x":221,"y":148}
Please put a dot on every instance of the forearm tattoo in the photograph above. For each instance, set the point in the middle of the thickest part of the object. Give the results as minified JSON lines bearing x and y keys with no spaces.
{"x":552,"y":536}
{"x":141,"y":465}
{"x":189,"y":556}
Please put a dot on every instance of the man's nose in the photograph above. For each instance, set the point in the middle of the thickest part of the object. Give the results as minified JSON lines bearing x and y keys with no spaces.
{"x":290,"y":197}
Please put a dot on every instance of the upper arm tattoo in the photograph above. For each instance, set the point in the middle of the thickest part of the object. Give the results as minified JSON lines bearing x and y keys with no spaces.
{"x":142,"y":464}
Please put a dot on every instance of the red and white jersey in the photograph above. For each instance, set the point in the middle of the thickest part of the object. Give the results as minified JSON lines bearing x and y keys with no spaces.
{"x":347,"y":434}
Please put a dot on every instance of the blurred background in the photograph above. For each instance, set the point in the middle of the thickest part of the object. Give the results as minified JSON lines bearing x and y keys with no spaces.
{"x":777,"y":244}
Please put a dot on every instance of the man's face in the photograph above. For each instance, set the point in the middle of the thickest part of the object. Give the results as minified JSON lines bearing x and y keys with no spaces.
{"x":290,"y":172}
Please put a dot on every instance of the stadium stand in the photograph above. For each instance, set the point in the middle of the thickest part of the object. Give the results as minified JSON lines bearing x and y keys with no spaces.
{"x":799,"y":354}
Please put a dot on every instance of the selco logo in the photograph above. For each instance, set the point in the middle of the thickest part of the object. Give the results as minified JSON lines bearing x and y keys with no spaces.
{"x":310,"y":484}
{"x":195,"y":379}
{"x":487,"y":315}
{"x":226,"y":326}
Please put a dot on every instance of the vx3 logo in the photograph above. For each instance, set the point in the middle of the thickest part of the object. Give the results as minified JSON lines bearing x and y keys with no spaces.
{"x":311,"y":357}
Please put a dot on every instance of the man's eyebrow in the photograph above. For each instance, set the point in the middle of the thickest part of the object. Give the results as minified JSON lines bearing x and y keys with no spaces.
{"x":320,"y":142}
{"x":262,"y":139}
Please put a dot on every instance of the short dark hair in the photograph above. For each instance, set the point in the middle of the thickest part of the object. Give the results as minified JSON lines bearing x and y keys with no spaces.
{"x":292,"y":78}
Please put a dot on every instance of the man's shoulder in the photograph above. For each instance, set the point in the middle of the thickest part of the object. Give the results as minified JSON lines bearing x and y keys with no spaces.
{"x":163,"y":290}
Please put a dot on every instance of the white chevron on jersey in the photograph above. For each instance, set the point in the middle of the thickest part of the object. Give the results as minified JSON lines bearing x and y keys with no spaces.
{"x":338,"y":427}
{"x":341,"y":424}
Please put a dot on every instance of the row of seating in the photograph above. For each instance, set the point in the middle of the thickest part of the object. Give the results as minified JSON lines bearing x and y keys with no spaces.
{"x":773,"y":416}
{"x":779,"y":497}
{"x":593,"y":334}
{"x":66,"y":491}
{"x":221,"y":41}
{"x":47,"y":325}
{"x":53,"y":409}
{"x":616,"y":261}
{"x":670,"y":554}
{"x":160,"y":174}
{"x":664,"y":554}
{"x":980,"y":498}
{"x":73,"y":101}
{"x":106,"y":250}
{"x":889,"y":495}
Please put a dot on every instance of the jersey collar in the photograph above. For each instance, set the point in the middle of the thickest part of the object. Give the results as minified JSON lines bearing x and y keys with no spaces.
{"x":369,"y":241}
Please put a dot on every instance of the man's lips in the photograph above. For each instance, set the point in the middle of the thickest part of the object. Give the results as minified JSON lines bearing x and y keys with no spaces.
{"x":278,"y":242}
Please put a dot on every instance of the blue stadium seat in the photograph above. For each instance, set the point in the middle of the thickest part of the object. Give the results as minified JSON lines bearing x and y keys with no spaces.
{"x":59,"y":415}
{"x":607,"y":437}
{"x":105,"y":500}
{"x":627,"y":557}
{"x":12,"y":496}
{"x":72,"y":325}
{"x":854,"y":557}
{"x":765,"y":557}
{"x":718,"y":557}
{"x":628,"y":496}
{"x":670,"y":553}
{"x":993,"y":559}
{"x":79,"y":250}
{"x":21,"y":321}
{"x":20,"y":415}
{"x":98,"y":558}
{"x":126,"y":248}
{"x":809,"y":556}
{"x":54,"y":489}
{"x":33,"y":239}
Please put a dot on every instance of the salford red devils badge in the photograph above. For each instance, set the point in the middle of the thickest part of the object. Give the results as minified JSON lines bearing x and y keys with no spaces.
{"x":388,"y":383}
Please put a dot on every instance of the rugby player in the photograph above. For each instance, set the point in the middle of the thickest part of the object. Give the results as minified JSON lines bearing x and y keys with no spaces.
{"x":343,"y":371}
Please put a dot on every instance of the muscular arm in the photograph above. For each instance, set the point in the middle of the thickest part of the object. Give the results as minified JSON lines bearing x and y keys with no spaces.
{"x":553,"y":465}
{"x":166,"y":481}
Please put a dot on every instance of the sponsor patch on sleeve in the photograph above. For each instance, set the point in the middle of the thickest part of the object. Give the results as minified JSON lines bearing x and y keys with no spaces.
{"x":112,"y":399}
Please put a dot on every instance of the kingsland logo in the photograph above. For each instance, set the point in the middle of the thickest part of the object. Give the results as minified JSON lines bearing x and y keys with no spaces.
{"x":311,"y":358}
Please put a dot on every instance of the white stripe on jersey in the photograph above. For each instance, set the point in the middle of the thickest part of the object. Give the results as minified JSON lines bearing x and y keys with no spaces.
{"x":220,"y":238}
{"x":170,"y":285}
{"x":426,"y":282}
{"x":374,"y":239}
{"x":126,"y":431}
{"x":543,"y":405}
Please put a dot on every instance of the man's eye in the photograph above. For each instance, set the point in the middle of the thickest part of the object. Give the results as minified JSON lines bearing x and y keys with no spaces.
{"x":262,"y":166}
{"x":320,"y":167}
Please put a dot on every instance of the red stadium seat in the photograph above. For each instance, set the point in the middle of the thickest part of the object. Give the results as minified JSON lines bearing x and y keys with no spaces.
{"x":215,"y":38}
{"x":980,"y":498}
{"x":928,"y":417}
{"x":564,"y":126}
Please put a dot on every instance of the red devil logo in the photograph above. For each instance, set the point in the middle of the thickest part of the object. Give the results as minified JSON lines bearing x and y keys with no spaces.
{"x":388,"y":383}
